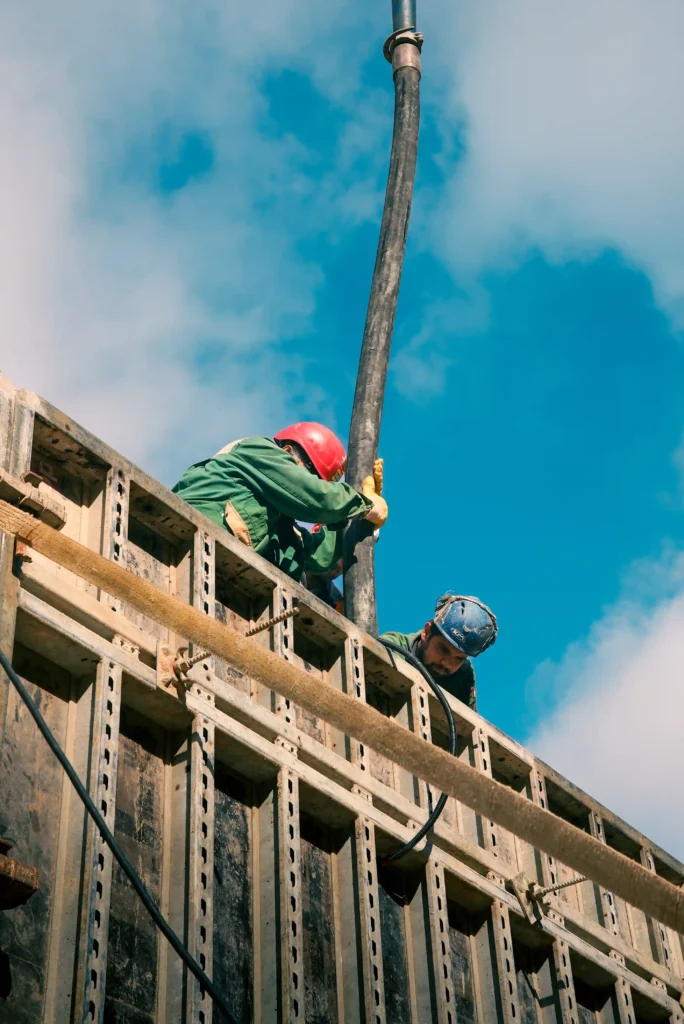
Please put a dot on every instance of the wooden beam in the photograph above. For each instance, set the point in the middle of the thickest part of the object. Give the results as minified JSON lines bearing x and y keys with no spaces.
{"x":498,"y":803}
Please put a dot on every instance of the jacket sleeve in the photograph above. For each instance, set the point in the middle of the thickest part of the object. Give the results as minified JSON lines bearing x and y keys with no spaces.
{"x":322,"y":550}
{"x":293,"y":490}
{"x":468,"y":681}
{"x":400,"y":639}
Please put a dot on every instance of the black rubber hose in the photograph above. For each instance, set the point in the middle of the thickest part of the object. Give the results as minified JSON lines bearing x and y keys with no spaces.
{"x":364,"y":432}
{"x":111,"y":842}
{"x":439,"y":694}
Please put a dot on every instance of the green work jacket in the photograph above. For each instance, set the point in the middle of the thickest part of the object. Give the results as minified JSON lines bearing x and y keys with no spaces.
{"x":461,"y":684}
{"x":256,"y":490}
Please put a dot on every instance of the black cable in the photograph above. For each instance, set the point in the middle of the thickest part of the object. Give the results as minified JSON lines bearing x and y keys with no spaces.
{"x":439,"y":694}
{"x":113,"y":845}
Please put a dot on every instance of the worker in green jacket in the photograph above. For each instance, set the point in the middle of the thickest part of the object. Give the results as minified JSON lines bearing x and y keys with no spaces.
{"x":461,"y":629}
{"x":258,"y":487}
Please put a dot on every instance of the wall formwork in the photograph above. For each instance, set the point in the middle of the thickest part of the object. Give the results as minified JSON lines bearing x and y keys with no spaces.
{"x":258,"y":828}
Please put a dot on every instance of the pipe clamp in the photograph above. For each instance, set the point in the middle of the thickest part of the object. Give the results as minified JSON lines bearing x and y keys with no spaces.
{"x":406,"y":39}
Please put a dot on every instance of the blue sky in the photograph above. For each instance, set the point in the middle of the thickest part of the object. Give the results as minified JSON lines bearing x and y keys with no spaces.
{"x":537,"y":462}
{"x":191,"y":224}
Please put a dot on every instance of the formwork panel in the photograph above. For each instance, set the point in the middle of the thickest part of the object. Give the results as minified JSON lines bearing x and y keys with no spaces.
{"x":395,"y":961}
{"x":239,"y":609}
{"x":76,"y":478}
{"x":461,"y":931}
{"x":596,"y":1005}
{"x":537,"y":984}
{"x":34,"y":813}
{"x":646,"y":1011}
{"x":319,"y":921}
{"x":488,"y":981}
{"x":139,"y":827}
{"x":234,"y":892}
{"x":319,"y":650}
{"x":286,"y":906}
{"x":158,"y":548}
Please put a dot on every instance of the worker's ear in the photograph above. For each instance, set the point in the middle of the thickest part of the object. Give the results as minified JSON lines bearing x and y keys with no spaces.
{"x":427,"y":629}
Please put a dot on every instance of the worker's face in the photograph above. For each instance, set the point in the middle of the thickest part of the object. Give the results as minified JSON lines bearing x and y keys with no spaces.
{"x":298,"y":458}
{"x":439,"y":656}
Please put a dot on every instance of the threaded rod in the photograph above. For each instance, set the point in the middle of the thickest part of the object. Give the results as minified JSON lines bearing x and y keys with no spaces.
{"x":196,"y":658}
{"x":561,"y":885}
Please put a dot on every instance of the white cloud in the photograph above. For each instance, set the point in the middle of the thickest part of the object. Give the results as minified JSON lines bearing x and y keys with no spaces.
{"x":573,"y":131}
{"x":420,"y":367}
{"x":613,"y":707}
{"x":110,"y":291}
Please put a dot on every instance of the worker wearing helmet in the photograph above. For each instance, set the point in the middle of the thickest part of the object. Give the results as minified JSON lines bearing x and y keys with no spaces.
{"x":258,"y":487}
{"x":461,"y":629}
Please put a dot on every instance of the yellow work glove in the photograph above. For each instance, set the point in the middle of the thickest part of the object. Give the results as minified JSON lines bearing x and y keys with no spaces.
{"x":371,"y":488}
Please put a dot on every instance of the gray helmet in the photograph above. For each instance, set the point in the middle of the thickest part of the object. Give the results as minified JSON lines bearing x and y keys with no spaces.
{"x":466,"y":623}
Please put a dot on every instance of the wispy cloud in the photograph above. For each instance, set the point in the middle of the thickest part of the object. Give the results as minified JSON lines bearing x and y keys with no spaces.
{"x":571,"y":130}
{"x":420,"y":366}
{"x":161,"y":315}
{"x":611,"y":709}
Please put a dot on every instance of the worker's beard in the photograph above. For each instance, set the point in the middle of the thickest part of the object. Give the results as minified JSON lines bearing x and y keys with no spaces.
{"x":434,"y":668}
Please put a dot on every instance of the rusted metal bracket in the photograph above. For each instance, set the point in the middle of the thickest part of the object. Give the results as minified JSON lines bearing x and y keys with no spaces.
{"x":23,"y":494}
{"x":18,"y":881}
{"x":531,"y":895}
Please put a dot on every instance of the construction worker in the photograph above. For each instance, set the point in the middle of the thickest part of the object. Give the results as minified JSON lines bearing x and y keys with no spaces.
{"x":258,"y":487}
{"x":462,"y":628}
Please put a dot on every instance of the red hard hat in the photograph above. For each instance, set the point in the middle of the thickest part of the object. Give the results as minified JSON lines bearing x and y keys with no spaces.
{"x":322,"y":447}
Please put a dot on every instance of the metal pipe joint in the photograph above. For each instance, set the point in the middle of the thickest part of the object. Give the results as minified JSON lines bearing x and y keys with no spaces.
{"x":402,"y":49}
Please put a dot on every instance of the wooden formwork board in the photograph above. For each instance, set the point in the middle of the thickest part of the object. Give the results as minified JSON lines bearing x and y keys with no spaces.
{"x":259,"y":829}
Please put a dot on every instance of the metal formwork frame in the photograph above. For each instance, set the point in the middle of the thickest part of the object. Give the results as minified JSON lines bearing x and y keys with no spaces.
{"x":289,"y":769}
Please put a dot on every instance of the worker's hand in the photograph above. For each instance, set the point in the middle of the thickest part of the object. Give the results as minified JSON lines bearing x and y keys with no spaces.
{"x":377,"y":514}
{"x":378,"y":469}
